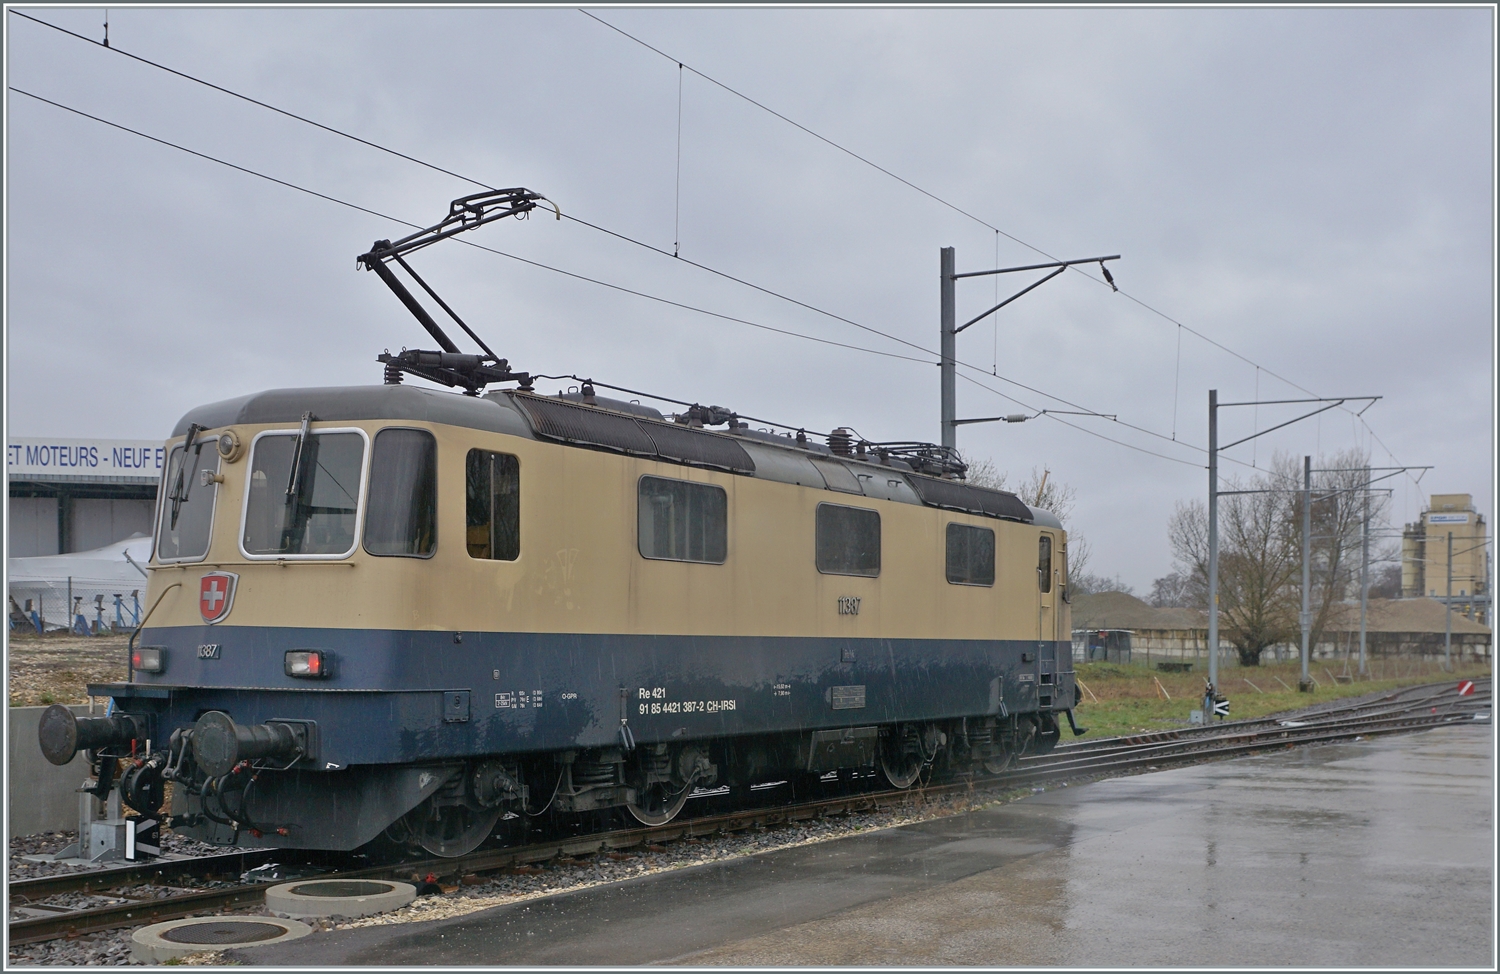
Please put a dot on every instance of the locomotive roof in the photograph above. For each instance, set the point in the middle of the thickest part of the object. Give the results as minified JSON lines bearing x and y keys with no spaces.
{"x":546,"y":418}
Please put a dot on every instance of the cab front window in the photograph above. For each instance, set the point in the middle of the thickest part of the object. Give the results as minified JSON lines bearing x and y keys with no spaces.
{"x":303,"y":496}
{"x":187,"y":509}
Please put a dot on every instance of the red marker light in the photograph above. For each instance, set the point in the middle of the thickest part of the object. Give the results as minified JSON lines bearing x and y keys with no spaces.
{"x":148,"y":659}
{"x":306,"y":664}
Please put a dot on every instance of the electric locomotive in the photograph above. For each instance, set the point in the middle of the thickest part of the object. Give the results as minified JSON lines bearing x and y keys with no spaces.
{"x":403,"y":613}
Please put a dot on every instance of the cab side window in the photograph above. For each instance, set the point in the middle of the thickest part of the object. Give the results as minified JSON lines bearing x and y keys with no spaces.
{"x":1044,"y":563}
{"x":401,"y":517}
{"x":971,"y":555}
{"x":492,"y":511}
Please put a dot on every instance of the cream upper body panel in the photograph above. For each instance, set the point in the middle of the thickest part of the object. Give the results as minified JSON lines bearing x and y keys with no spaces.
{"x":580,"y":569}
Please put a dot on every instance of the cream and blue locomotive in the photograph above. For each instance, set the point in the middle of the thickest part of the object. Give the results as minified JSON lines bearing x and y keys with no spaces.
{"x":400,"y":612}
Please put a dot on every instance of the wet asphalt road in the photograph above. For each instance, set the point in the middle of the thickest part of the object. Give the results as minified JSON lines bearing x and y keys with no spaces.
{"x":1366,"y":854}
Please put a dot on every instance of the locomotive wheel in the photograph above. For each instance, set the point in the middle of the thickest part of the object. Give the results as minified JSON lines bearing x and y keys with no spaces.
{"x":906,"y":751}
{"x":998,"y":765}
{"x":901,"y":770}
{"x":660,"y":807}
{"x":455,"y":830}
{"x":901,"y":765}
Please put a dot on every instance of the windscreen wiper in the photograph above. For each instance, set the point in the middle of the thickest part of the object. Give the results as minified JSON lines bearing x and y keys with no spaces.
{"x":184,"y":483}
{"x":294,"y":478}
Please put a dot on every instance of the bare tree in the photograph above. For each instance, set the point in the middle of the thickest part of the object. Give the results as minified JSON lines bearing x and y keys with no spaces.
{"x":1042,"y":490}
{"x":1087,"y":583}
{"x":1172,"y":591}
{"x":1385,"y":580}
{"x":1258,"y":563}
{"x":1338,"y":499}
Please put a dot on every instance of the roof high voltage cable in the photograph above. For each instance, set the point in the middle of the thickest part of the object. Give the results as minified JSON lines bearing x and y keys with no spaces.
{"x":681,"y":66}
{"x":533,"y":263}
{"x":952,"y":206}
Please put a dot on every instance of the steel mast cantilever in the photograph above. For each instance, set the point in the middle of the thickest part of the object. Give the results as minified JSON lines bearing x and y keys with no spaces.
{"x":449,"y":366}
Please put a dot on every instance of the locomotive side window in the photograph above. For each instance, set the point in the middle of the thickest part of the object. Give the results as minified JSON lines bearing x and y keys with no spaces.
{"x":682,"y":521}
{"x":401,"y":516}
{"x":304,"y":494}
{"x":848,"y":540}
{"x":971,"y":555}
{"x":187,"y":510}
{"x":492,"y":510}
{"x":1044,"y":563}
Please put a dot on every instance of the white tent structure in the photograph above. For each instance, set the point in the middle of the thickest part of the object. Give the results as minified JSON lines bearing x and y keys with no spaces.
{"x":104,"y":585}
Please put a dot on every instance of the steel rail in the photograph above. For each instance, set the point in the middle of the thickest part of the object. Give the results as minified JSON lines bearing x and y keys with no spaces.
{"x":1367,"y":711}
{"x":1222,"y":741}
{"x":114,"y":877}
{"x":1430,"y":690}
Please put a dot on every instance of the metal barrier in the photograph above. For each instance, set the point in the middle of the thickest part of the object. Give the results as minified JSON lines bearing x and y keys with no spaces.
{"x":86,"y":606}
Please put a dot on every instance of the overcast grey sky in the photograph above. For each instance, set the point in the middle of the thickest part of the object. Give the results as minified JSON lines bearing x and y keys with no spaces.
{"x":1312,"y":189}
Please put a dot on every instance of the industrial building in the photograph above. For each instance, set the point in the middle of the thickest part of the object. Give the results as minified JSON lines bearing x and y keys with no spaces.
{"x":1445,"y":556}
{"x":1120,"y":628}
{"x":71,"y":495}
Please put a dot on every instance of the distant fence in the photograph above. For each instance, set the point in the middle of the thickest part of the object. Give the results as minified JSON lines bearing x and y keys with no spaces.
{"x":87,"y":606}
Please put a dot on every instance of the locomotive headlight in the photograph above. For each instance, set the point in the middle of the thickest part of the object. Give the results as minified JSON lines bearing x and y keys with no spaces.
{"x":149,"y":659}
{"x":309,"y":664}
{"x":230,"y":446}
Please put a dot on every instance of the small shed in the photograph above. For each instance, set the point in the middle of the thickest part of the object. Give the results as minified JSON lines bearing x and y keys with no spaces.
{"x":1101,"y":645}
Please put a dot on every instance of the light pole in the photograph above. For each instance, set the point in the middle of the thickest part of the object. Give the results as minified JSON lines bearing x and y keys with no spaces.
{"x":1448,"y":611}
{"x":1448,"y":598}
{"x":1305,"y":683}
{"x":1364,"y":566}
{"x":948,"y":337}
{"x":1213,"y":503}
{"x":1364,"y":571}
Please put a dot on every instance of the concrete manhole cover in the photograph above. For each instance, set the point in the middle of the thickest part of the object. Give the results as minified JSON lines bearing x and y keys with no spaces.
{"x":177,"y":938}
{"x":338,"y":897}
{"x":342,"y":887}
{"x":218,"y":933}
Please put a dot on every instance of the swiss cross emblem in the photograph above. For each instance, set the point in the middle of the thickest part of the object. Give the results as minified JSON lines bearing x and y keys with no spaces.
{"x":216,"y":595}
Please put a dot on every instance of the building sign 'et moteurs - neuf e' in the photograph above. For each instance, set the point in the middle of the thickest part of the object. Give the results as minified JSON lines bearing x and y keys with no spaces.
{"x":42,"y":458}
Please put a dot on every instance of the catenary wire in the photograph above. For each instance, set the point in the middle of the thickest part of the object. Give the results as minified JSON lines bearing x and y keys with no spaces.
{"x":958,"y":209}
{"x":469,"y":243}
{"x":620,"y":236}
{"x":601,"y":229}
{"x":624,"y":237}
{"x":681,"y":67}
{"x":538,"y":264}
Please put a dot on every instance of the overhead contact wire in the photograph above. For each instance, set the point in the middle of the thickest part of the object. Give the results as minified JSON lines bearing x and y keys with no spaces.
{"x":566,"y":273}
{"x":952,"y":206}
{"x":582,"y":277}
{"x":681,"y":66}
{"x":469,"y":243}
{"x":620,"y":236}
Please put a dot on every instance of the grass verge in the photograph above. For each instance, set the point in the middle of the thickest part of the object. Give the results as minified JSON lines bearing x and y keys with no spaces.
{"x":1130,"y":698}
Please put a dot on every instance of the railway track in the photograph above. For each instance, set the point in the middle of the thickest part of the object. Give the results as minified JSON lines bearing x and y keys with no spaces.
{"x":136,"y":889}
